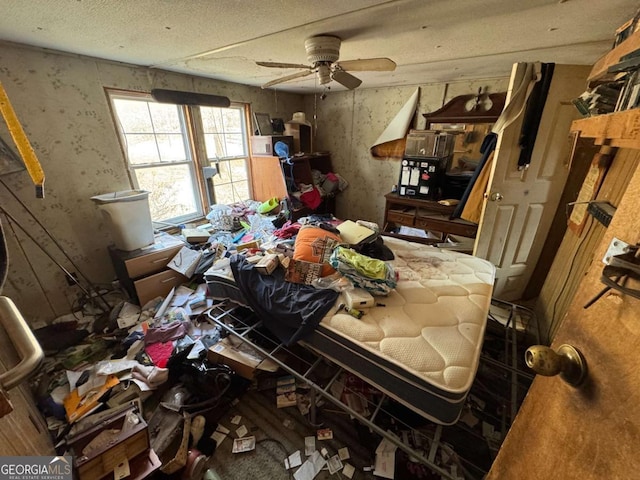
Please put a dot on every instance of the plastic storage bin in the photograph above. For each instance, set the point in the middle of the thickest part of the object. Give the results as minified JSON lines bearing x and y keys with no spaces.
{"x":127,"y":213}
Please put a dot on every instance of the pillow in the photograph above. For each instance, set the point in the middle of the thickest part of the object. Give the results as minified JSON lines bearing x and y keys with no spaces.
{"x":314,"y":244}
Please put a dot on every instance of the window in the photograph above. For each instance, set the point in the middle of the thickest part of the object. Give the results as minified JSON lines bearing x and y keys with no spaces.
{"x":167,"y":146}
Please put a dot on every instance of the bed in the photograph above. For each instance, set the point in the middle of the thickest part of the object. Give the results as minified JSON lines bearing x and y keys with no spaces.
{"x":420,"y":345}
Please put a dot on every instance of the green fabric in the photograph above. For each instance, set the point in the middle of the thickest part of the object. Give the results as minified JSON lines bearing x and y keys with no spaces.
{"x":366,"y":266}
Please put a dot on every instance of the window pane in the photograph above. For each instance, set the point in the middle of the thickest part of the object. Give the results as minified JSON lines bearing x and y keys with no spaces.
{"x":211,"y":119}
{"x":166,"y":118}
{"x":133,"y":115}
{"x":141,"y":149}
{"x":171,"y":188}
{"x":224,"y":174}
{"x":241,"y":190}
{"x":238,"y":169}
{"x":214,"y":145}
{"x":232,"y":120}
{"x":223,"y":128}
{"x":232,"y":192}
{"x":171,"y":148}
{"x":224,"y":194}
{"x":234,"y":145}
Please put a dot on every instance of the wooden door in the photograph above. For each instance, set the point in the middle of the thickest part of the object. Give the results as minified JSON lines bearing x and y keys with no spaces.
{"x":593,"y":431}
{"x":520,"y":205}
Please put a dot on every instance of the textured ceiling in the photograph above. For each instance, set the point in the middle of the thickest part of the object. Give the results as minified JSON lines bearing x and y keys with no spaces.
{"x":430,"y":40}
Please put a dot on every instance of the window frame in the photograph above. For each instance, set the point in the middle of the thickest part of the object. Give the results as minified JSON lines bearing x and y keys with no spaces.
{"x":193,"y":134}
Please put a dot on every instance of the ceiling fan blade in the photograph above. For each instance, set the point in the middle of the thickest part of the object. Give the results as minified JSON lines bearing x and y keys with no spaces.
{"x":368,"y":65}
{"x":346,"y":79}
{"x":287,"y":78}
{"x":281,"y":65}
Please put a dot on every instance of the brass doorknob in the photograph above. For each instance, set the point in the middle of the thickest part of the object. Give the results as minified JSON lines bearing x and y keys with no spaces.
{"x":496,"y":197}
{"x":568,"y":362}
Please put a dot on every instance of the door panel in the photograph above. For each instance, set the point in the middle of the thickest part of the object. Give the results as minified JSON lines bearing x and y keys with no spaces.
{"x":592,"y":431}
{"x":506,"y":240}
{"x":23,"y":431}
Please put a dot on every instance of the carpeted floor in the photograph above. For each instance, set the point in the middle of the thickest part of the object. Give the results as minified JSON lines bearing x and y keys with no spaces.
{"x":279,"y":433}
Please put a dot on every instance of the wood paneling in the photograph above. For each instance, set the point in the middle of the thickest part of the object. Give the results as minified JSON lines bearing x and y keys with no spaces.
{"x":576,"y":253}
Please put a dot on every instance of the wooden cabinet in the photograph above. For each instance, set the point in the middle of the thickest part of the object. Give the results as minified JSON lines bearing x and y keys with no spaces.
{"x":425,"y":215}
{"x":274,"y":177}
{"x":143,"y":273}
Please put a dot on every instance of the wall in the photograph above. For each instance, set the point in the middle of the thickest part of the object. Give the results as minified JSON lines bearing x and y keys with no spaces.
{"x":350,"y":122}
{"x":61,"y":103}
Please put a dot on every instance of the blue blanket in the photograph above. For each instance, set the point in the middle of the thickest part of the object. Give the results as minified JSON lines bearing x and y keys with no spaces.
{"x":288,"y":310}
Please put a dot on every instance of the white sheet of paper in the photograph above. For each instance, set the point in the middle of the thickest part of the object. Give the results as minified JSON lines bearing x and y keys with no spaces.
{"x":311,"y":467}
{"x":236,"y":420}
{"x":309,"y":446}
{"x":197,"y":347}
{"x":294,"y":460}
{"x":72,"y":377}
{"x":385,"y":465}
{"x":143,"y":386}
{"x":218,"y":437}
{"x":385,"y":459}
{"x":318,"y":462}
{"x":221,"y":428}
{"x":129,"y":315}
{"x":241,"y":431}
{"x":348,"y":470}
{"x":95,"y":381}
{"x":404,"y":177}
{"x":343,"y":453}
{"x":112,"y":367}
{"x":179,"y":300}
{"x":415,"y":177}
{"x":335,"y":464}
{"x":305,"y":472}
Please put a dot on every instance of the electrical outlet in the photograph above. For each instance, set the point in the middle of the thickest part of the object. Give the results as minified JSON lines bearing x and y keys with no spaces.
{"x":72,"y":281}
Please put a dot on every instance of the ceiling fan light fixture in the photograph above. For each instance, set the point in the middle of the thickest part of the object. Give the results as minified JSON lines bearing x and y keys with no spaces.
{"x":322,"y":48}
{"x":324,"y":74}
{"x":323,"y":52}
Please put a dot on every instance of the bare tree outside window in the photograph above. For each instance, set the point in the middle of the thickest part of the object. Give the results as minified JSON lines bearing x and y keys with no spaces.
{"x":155,"y":138}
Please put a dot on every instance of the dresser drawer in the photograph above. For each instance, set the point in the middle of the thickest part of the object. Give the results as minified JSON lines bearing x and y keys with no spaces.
{"x":402,"y":216}
{"x":158,"y":285}
{"x":442,"y":223}
{"x":152,"y":262}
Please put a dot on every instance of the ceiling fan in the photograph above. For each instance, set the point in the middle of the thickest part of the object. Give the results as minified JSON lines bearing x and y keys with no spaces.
{"x":323,"y":52}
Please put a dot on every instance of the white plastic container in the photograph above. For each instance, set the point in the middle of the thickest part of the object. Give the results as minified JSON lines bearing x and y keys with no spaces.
{"x":127,"y":213}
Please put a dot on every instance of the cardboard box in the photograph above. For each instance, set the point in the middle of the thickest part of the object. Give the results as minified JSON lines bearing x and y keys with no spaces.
{"x":267,"y":264}
{"x":240,"y":357}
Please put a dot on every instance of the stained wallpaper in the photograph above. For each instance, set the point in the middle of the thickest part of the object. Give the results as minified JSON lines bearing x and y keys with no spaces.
{"x":62,"y":105}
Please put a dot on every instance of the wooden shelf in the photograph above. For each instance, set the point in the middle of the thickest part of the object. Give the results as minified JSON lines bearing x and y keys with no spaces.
{"x":601,"y":66}
{"x":618,"y":129}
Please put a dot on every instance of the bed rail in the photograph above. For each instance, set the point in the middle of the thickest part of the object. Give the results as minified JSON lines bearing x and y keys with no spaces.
{"x":224,"y":316}
{"x":247,"y":327}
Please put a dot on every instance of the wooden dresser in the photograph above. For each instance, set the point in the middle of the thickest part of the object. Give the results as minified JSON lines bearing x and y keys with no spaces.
{"x":425,"y":215}
{"x":143,"y":273}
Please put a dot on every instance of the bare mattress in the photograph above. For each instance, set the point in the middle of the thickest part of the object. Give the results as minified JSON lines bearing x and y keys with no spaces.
{"x":420,"y":344}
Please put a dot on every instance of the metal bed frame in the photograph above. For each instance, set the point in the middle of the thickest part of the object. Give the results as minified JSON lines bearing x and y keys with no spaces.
{"x":245,"y":325}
